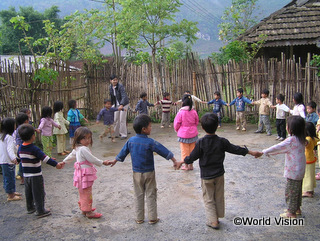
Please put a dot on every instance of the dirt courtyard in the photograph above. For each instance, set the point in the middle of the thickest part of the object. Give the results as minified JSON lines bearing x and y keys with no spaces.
{"x":254,"y":188}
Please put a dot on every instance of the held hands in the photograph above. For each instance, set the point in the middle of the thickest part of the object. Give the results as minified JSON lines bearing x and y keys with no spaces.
{"x":59,"y":127}
{"x":256,"y":154}
{"x":110,"y":163}
{"x":86,"y":120}
{"x":179,"y":164}
{"x":60,"y":165}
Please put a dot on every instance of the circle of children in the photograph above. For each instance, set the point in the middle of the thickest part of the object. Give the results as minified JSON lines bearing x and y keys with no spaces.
{"x":298,"y":148}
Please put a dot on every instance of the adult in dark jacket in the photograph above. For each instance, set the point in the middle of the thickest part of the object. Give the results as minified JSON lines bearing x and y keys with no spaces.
{"x":119,"y":100}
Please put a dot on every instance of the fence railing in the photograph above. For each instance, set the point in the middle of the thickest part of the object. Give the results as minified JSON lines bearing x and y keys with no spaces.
{"x":91,"y":85}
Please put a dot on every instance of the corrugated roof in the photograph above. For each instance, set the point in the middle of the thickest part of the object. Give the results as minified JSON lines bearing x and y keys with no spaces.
{"x":298,"y":23}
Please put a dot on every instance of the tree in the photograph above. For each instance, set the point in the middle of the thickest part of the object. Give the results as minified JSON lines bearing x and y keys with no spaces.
{"x":237,"y":19}
{"x":147,"y":23}
{"x":10,"y":37}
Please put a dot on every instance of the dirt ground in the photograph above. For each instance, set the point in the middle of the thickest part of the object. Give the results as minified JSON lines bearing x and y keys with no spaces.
{"x":254,"y":188}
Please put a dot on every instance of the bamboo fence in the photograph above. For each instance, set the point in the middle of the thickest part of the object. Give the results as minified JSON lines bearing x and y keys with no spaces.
{"x":90,"y":85}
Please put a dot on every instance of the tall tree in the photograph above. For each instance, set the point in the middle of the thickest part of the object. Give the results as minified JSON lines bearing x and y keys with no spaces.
{"x":237,"y":19}
{"x":147,"y":23}
{"x":10,"y":37}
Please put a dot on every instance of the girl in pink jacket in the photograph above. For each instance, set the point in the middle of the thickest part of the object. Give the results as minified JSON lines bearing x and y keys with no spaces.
{"x":185,"y":124}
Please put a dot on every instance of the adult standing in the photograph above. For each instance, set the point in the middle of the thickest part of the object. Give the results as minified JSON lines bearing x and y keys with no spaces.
{"x":119,"y":100}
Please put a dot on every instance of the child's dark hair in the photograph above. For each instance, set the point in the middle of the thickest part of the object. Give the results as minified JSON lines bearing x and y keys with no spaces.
{"x":57,"y":106}
{"x":80,"y":134}
{"x":26,"y":131}
{"x":240,"y":90}
{"x":188,"y":92}
{"x":24,"y":110}
{"x":72,"y":104}
{"x":217,"y":93}
{"x":165,"y":94}
{"x":106,"y":101}
{"x":312,"y":104}
{"x":187,"y":101}
{"x":113,"y":76}
{"x":265,"y":91}
{"x":7,"y":127}
{"x":311,"y":130}
{"x":46,"y":112}
{"x":21,"y":118}
{"x":280,"y":97}
{"x":141,"y":121}
{"x":209,"y":122}
{"x":298,"y":99}
{"x":296,"y":126}
{"x":143,"y":94}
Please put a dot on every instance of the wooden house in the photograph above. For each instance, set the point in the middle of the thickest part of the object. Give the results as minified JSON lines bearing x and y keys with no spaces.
{"x":293,"y":30}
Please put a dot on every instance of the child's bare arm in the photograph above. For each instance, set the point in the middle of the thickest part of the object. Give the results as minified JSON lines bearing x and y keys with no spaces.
{"x":175,"y":163}
{"x":112,"y":163}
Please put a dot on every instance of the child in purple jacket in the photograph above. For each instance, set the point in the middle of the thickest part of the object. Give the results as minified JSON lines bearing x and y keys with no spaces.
{"x":185,"y":124}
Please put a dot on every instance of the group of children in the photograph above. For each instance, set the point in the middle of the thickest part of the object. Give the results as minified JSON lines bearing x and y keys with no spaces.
{"x":210,"y":150}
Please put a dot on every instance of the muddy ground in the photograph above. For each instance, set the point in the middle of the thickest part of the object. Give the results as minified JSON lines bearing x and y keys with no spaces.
{"x":253,"y":188}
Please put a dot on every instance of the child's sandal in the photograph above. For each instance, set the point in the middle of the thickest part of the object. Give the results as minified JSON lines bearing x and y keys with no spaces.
{"x":139,"y":221}
{"x":154,"y":221}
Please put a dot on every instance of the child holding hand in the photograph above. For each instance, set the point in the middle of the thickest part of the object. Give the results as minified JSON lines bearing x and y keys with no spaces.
{"x":85,"y":172}
{"x":141,"y":149}
{"x":210,"y":150}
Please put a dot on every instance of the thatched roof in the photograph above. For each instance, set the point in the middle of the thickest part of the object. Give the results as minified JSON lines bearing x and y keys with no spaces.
{"x":298,"y":23}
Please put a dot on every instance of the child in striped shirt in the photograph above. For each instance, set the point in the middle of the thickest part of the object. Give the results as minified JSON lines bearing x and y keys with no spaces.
{"x":166,"y":106}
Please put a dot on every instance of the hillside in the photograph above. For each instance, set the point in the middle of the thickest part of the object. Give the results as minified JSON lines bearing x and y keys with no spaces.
{"x":206,"y":12}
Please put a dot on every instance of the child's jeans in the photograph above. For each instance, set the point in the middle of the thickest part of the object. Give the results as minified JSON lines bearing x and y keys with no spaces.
{"x":219,"y":117}
{"x":264,"y":120}
{"x":9,"y":179}
{"x":34,"y":191}
{"x":213,"y":197}
{"x":281,"y":127}
{"x":144,"y":184}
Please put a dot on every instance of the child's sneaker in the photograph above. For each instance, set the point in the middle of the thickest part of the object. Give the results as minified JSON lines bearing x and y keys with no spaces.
{"x":278,"y":137}
{"x":244,"y":129}
{"x":169,"y":126}
{"x":281,"y":139}
{"x":238,"y":128}
{"x":161,"y":127}
{"x":219,"y":126}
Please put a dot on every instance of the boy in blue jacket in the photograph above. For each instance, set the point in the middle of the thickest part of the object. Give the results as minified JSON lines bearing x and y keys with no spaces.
{"x":240,"y":102}
{"x":141,"y":148}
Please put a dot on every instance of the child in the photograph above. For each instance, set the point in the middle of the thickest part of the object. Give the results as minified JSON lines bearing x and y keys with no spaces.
{"x":210,"y":150}
{"x":193,"y":97}
{"x":85,"y":172}
{"x":21,"y":118}
{"x":74,"y":117}
{"x":309,"y":180}
{"x":45,"y":128}
{"x":8,"y":159}
{"x":299,"y":108}
{"x":60,"y":133}
{"x":281,"y":117}
{"x":31,"y":157}
{"x":142,"y":106}
{"x":295,"y":163}
{"x":264,"y":112}
{"x":185,"y":124}
{"x":28,"y":112}
{"x":107,"y":113}
{"x":312,"y":116}
{"x":217,"y":105}
{"x":318,"y":135}
{"x":240,"y":102}
{"x":166,"y":106}
{"x":141,"y":149}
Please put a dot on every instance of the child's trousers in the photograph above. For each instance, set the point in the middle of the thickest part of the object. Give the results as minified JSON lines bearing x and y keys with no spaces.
{"x":309,"y":180}
{"x":165,"y":119}
{"x":293,"y":195}
{"x":34,"y":191}
{"x":241,"y":119}
{"x":264,"y":120}
{"x":213,"y":197}
{"x":281,"y":127}
{"x":61,"y":143}
{"x":145,"y":185}
{"x":9,"y":179}
{"x":85,"y":199}
{"x":47,"y":144}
